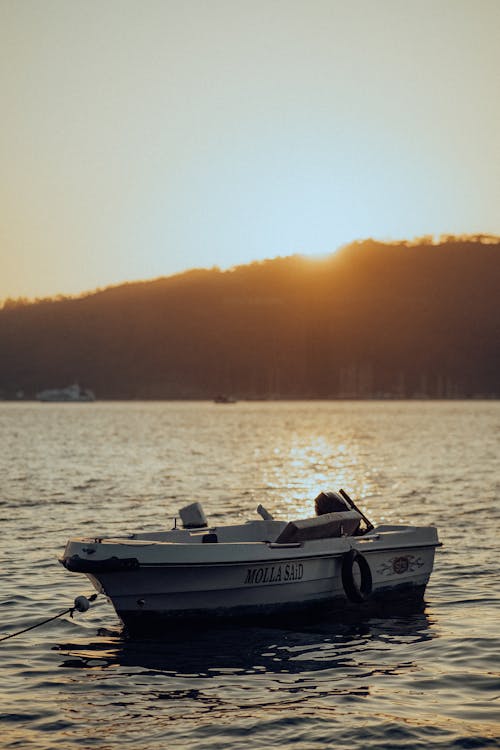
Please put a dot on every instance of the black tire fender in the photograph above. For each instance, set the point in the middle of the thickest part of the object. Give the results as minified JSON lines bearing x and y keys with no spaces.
{"x":356,"y":592}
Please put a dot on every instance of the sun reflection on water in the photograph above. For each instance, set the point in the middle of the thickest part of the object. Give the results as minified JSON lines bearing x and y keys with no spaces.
{"x":311,"y":464}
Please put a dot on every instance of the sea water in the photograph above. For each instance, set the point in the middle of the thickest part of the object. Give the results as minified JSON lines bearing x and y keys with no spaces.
{"x":403,"y":679}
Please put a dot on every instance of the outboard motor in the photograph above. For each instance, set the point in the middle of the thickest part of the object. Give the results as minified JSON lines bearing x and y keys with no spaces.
{"x":330,"y":502}
{"x":193,"y":517}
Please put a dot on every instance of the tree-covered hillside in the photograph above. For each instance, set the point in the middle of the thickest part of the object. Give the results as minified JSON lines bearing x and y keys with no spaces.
{"x":372,"y":320}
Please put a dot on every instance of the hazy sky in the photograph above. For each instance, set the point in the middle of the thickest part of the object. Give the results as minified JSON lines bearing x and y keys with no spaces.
{"x":139,"y":139}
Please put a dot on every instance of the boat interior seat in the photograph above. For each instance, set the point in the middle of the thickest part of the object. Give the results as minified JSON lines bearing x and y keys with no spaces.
{"x":252,"y":531}
{"x":329,"y":525}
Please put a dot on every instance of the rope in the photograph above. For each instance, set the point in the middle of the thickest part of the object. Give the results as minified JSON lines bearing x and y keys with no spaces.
{"x":81,"y":605}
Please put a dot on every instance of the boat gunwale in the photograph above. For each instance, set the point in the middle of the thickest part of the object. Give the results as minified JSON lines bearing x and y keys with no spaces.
{"x":93,"y":568}
{"x":270,"y":561}
{"x":318,"y":555}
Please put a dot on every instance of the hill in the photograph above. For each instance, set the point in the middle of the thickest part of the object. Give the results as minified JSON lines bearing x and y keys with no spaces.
{"x":371,"y":320}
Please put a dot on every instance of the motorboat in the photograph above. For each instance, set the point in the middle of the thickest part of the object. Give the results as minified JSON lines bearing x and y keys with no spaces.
{"x":70,"y":393}
{"x":260,"y":568}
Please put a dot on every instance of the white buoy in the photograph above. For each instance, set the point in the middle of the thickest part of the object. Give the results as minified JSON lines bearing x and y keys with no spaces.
{"x":82,"y":604}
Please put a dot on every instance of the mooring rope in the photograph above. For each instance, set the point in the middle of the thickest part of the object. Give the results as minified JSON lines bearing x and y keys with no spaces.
{"x":81,"y":604}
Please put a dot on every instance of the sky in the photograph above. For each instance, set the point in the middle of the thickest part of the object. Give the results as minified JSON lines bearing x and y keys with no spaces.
{"x":140,"y":139}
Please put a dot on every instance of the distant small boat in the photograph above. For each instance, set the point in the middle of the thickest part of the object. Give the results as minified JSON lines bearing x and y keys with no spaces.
{"x":221,"y":399}
{"x":71,"y":393}
{"x":259,"y":568}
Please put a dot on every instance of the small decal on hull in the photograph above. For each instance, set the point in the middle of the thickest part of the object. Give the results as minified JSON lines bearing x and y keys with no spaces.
{"x":275,"y":574}
{"x":400,"y":565}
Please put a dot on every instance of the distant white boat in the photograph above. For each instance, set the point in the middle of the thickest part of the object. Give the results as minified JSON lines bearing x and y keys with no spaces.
{"x":71,"y":393}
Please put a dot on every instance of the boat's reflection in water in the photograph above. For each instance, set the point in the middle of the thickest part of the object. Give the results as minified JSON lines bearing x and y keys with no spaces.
{"x":378,"y":643}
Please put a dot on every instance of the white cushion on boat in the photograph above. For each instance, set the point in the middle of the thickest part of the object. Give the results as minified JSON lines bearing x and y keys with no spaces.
{"x":320,"y":527}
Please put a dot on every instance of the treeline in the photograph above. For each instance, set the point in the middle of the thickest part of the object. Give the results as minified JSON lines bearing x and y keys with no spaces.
{"x":372,"y":320}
